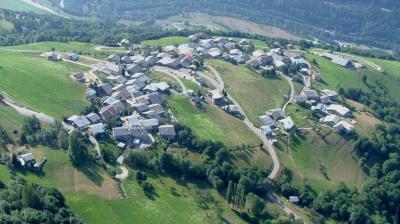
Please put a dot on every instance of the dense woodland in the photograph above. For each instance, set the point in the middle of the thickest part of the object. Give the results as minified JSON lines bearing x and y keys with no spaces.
{"x":372,"y":21}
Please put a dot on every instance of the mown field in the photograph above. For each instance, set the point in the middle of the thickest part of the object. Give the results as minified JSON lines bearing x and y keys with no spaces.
{"x":322,"y":160}
{"x":213,"y":124}
{"x":78,"y":47}
{"x":334,"y":76}
{"x":18,"y":5}
{"x":174,"y":201}
{"x":92,"y":195}
{"x":40,"y":84}
{"x":301,"y":116}
{"x":172,"y":40}
{"x":255,"y":93}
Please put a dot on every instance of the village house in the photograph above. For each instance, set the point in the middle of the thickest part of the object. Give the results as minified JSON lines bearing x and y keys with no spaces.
{"x":267,"y":121}
{"x":343,"y":127}
{"x":311,"y":94}
{"x":26,"y":160}
{"x":140,"y":135}
{"x":112,"y":69}
{"x":288,"y":123}
{"x":167,"y":131}
{"x":52,"y":56}
{"x":118,"y":79}
{"x":332,"y":95}
{"x":149,"y":124}
{"x":80,"y":122}
{"x":105,"y":89}
{"x":338,"y":60}
{"x":276,"y":114}
{"x":140,"y":107}
{"x":93,"y":118}
{"x":122,"y":134}
{"x":157,"y":87}
{"x":97,"y":129}
{"x":339,"y":110}
{"x":73,"y":56}
{"x":132,"y":121}
{"x":114,"y":58}
{"x":320,"y":109}
{"x":266,"y":130}
{"x":217,"y":98}
{"x":79,"y":76}
{"x":134,"y":68}
{"x":169,"y":62}
{"x":90,"y":93}
{"x":331,"y":120}
{"x":299,"y":99}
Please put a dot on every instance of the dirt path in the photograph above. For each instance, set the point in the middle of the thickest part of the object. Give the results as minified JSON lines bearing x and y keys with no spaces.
{"x":125,"y":172}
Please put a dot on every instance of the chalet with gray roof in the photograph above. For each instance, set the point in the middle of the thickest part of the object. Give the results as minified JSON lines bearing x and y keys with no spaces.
{"x":126,"y":60}
{"x":112,"y":69}
{"x":167,"y":131}
{"x":73,"y":56}
{"x":157,"y":108}
{"x":118,"y":79}
{"x":267,"y":121}
{"x":134,"y":68}
{"x":132,"y":121}
{"x":288,"y":124}
{"x":105,"y":89}
{"x":93,"y":118}
{"x":276,"y":114}
{"x":149,"y":124}
{"x":80,"y":122}
{"x":90,"y":93}
{"x":97,"y":129}
{"x":155,"y":98}
{"x":169,"y":62}
{"x":114,"y":58}
{"x":151,"y":114}
{"x":140,"y":107}
{"x":141,"y":135}
{"x":157,"y":87}
{"x":122,"y":134}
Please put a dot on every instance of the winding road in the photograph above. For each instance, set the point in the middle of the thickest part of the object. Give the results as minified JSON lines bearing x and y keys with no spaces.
{"x":220,"y":85}
{"x":172,"y":74}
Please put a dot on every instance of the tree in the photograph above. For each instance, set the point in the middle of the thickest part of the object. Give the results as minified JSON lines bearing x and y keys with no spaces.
{"x":229,"y":192}
{"x":255,"y":204}
{"x":77,"y":150}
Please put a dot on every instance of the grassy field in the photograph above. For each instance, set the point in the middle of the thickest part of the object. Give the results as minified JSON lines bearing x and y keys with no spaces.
{"x":334,"y":76}
{"x":78,"y":47}
{"x":9,"y":118}
{"x":301,"y":117}
{"x":214,"y":124}
{"x":318,"y":153}
{"x":172,"y":40}
{"x":59,"y":173}
{"x":255,"y":93}
{"x":92,"y":195}
{"x":40,"y":84}
{"x":18,"y":5}
{"x":162,"y":77}
{"x":174,"y":202}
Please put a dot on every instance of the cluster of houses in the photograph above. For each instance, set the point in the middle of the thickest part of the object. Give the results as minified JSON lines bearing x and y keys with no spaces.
{"x":28,"y":161}
{"x":325,"y":104}
{"x":145,"y":114}
{"x":275,"y":118}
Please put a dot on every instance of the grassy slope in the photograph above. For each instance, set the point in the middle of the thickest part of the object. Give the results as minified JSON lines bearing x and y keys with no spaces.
{"x":9,"y":118}
{"x":317,"y":150}
{"x":79,"y":47}
{"x":214,"y":124}
{"x":18,"y":5}
{"x":174,"y":202}
{"x":300,"y":116}
{"x":40,"y":84}
{"x":255,"y":93}
{"x":92,"y":195}
{"x":334,"y":76}
{"x":172,"y":40}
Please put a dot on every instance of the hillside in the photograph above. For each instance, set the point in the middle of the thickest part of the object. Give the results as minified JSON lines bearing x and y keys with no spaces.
{"x":371,"y":22}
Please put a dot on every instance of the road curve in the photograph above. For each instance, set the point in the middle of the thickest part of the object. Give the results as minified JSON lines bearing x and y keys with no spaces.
{"x":173,"y":75}
{"x":125,"y":172}
{"x":220,"y":85}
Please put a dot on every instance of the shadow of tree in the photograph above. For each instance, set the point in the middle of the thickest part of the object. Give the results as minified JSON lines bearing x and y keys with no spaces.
{"x":92,"y":173}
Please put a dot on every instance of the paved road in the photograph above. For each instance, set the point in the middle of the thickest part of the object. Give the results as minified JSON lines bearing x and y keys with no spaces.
{"x":292,"y":91}
{"x":286,"y":209}
{"x":173,"y":74}
{"x":94,"y":141}
{"x":125,"y":172}
{"x":220,"y":85}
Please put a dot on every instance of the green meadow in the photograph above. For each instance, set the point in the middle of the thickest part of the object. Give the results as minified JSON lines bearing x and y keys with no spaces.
{"x":172,"y":40}
{"x":255,"y":93}
{"x":40,"y":84}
